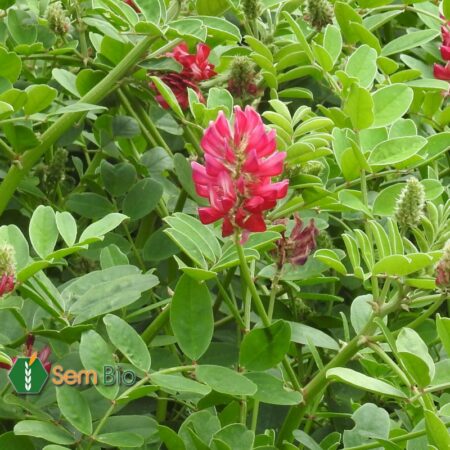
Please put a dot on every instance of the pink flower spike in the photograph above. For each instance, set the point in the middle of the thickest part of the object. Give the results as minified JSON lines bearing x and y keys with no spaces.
{"x":240,"y":161}
{"x":445,"y":52}
{"x":441,"y":72}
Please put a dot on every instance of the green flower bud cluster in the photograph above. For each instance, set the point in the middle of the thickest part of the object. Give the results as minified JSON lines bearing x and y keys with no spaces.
{"x":7,"y":259}
{"x":319,"y":13}
{"x":410,"y":205}
{"x":252,"y":9}
{"x":57,"y":19}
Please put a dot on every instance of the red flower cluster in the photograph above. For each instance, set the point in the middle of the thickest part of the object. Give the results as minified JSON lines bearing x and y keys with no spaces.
{"x":133,"y":5}
{"x":240,"y":162}
{"x":196,"y":68}
{"x":43,"y":355}
{"x":443,"y":72}
{"x":298,"y":246}
{"x":7,"y":283}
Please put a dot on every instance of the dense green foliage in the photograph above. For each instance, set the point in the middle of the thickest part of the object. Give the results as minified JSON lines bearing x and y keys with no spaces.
{"x":324,"y":324}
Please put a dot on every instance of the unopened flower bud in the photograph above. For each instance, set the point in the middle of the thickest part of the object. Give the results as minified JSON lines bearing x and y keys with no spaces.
{"x":299,"y":245}
{"x":56,"y":171}
{"x":319,"y":13}
{"x":57,"y":20}
{"x":252,"y":9}
{"x":7,"y":269}
{"x":324,"y":240}
{"x":242,"y":81}
{"x":410,"y":204}
{"x":443,"y":268}
{"x":313,"y":168}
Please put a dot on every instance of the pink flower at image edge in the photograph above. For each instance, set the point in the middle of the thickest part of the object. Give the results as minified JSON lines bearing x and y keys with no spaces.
{"x":240,"y":161}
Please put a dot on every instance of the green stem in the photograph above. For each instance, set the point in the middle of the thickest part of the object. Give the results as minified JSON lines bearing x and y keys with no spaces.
{"x":245,"y":274}
{"x":132,"y":112}
{"x":147,"y":122}
{"x":273,"y":293}
{"x":320,"y":381}
{"x":55,"y":131}
{"x":152,"y":330}
{"x":100,"y":425}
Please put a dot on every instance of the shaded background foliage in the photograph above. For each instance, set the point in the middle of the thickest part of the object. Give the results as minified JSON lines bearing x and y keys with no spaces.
{"x":331,"y":336}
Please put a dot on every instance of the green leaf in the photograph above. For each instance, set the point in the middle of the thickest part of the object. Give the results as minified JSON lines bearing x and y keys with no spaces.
{"x":396,"y":150}
{"x":208,"y":8}
{"x":191,"y":317}
{"x":168,"y":96}
{"x":123,"y":439}
{"x":75,"y":408}
{"x":446,"y":9}
{"x":9,"y":440}
{"x":271,"y":390}
{"x":126,"y":339}
{"x":359,"y":106}
{"x":112,"y":256}
{"x":221,"y":29}
{"x":95,"y":354}
{"x":101,"y":227}
{"x":67,"y":227}
{"x":443,"y":330}
{"x":152,"y":9}
{"x":170,"y":439}
{"x":345,"y":16}
{"x":5,"y":109}
{"x":112,"y":295}
{"x":409,"y":342}
{"x":183,"y":171}
{"x":142,"y":199}
{"x":22,"y":25}
{"x":263,"y":348}
{"x":302,"y":334}
{"x":11,"y":234}
{"x":402,"y":265}
{"x":39,"y":97}
{"x":300,"y":36}
{"x":142,"y":425}
{"x":199,"y":233}
{"x":408,"y":41}
{"x":10,"y":65}
{"x":118,"y":178}
{"x":236,"y":436}
{"x":43,"y":230}
{"x":362,"y":65}
{"x":361,"y":381}
{"x":225,"y":380}
{"x":178,"y":383}
{"x":20,"y":137}
{"x":391,"y":103}
{"x":67,"y":80}
{"x":77,"y":107}
{"x":90,"y":205}
{"x":331,"y":259}
{"x":332,"y":42}
{"x":371,"y":422}
{"x":437,"y":432}
{"x":44,"y":430}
